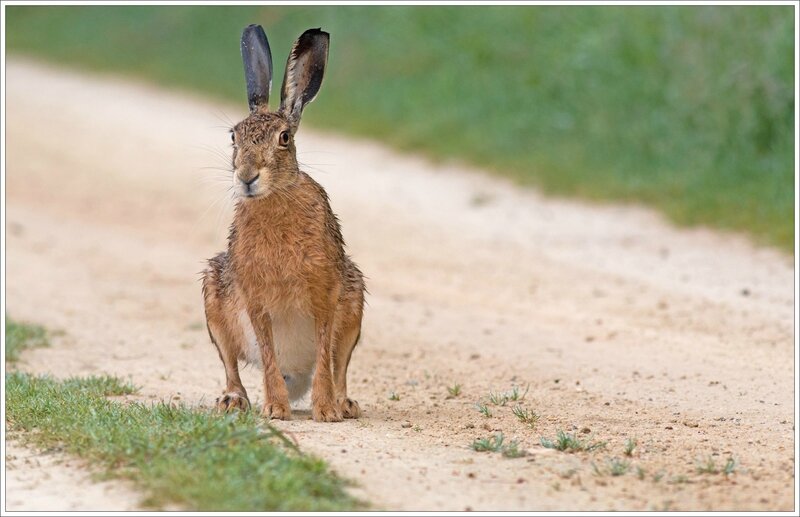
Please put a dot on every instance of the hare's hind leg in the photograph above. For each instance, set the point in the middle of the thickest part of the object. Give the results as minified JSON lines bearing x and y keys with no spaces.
{"x":225,"y":336}
{"x":346,"y":333}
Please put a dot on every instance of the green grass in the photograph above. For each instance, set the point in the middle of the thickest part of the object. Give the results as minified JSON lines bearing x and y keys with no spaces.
{"x":484,"y":410}
{"x":454,"y":390}
{"x":497,"y":443}
{"x":20,"y":336}
{"x":630,"y":446}
{"x":685,"y":108}
{"x":568,"y":442}
{"x":192,"y":458}
{"x":526,"y":416}
{"x":709,"y":466}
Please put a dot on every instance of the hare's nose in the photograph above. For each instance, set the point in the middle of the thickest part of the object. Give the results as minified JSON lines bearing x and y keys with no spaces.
{"x":251,"y":180}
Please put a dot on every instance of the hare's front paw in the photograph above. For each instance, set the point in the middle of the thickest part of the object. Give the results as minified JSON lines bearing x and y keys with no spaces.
{"x":326,"y":411}
{"x":230,"y":401}
{"x":350,"y":408}
{"x":277,"y":411}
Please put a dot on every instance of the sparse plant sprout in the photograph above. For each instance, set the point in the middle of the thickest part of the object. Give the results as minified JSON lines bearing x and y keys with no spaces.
{"x":658,"y":476}
{"x":484,"y":410}
{"x":393,"y":396}
{"x":498,"y":399}
{"x":679,"y":480}
{"x":640,"y":473}
{"x":515,"y":395}
{"x":630,"y":445}
{"x":417,"y":428}
{"x":492,"y":444}
{"x":730,"y":466}
{"x":617,"y":467}
{"x":455,"y":390}
{"x":526,"y":416}
{"x":570,"y":443}
{"x":567,"y":474}
{"x":512,"y":450}
{"x":497,"y":443}
{"x":614,"y":466}
{"x":707,"y":466}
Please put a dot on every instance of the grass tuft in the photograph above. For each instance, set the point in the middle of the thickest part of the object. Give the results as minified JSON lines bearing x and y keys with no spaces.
{"x":484,"y":410}
{"x":526,"y":416}
{"x":567,"y":442}
{"x":20,"y":336}
{"x":196,"y":459}
{"x":515,"y":395}
{"x":491,"y":444}
{"x":498,"y":399}
{"x":630,"y":446}
{"x":454,"y":391}
{"x":730,"y":466}
{"x":497,"y":443}
{"x":709,"y":466}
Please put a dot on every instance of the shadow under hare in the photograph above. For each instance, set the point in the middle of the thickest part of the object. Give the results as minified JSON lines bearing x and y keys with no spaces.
{"x":284,"y":296}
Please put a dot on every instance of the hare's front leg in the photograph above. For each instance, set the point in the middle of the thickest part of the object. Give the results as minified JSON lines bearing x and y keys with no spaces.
{"x":276,"y":396}
{"x":224,"y":334}
{"x":235,"y":396}
{"x":323,"y":401}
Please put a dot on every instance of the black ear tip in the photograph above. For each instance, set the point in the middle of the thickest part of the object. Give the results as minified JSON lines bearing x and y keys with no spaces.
{"x":315,"y":32}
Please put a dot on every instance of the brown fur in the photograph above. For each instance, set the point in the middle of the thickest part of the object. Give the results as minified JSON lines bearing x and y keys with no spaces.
{"x":285,"y":255}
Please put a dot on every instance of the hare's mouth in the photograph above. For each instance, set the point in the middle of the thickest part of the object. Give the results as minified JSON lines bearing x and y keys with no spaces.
{"x":252,"y":188}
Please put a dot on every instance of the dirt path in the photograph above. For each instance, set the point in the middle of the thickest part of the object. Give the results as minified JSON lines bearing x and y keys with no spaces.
{"x":617,"y":322}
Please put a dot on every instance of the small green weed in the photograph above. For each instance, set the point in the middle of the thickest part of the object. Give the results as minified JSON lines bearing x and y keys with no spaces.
{"x":630,"y":445}
{"x":709,"y":466}
{"x":526,"y":416}
{"x":484,"y":410}
{"x":454,"y":391}
{"x":498,"y":399}
{"x":491,"y":444}
{"x":512,"y":450}
{"x":614,"y":467}
{"x":394,"y":397}
{"x":497,"y":443}
{"x":617,"y":467}
{"x":570,"y":443}
{"x":730,"y":466}
{"x":515,"y":395}
{"x":20,"y":336}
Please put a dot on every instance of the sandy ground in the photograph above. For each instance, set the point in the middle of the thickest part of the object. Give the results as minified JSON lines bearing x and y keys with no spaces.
{"x":621,"y":325}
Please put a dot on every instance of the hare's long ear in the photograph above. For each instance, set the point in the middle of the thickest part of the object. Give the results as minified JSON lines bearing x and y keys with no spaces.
{"x":304,"y":71}
{"x":257,"y":66}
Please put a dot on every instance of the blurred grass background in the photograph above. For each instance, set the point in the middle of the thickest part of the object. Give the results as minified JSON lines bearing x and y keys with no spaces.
{"x":687,"y":109}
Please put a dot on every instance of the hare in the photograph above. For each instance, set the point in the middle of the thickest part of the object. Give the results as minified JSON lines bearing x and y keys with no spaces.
{"x":285,"y":295}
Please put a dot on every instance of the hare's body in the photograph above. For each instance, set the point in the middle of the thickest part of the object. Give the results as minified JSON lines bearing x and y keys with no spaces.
{"x":285,"y":295}
{"x":285,"y":254}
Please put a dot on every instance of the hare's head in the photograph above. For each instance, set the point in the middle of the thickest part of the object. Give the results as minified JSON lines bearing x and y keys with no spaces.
{"x":264,"y":156}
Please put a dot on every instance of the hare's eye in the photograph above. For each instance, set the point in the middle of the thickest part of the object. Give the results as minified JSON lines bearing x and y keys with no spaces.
{"x":284,"y":138}
{"x":233,"y":138}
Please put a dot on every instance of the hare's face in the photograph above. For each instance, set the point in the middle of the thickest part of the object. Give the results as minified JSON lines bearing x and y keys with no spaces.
{"x":264,"y":156}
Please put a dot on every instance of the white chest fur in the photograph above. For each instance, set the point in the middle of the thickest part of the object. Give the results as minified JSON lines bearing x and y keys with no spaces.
{"x":295,"y":350}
